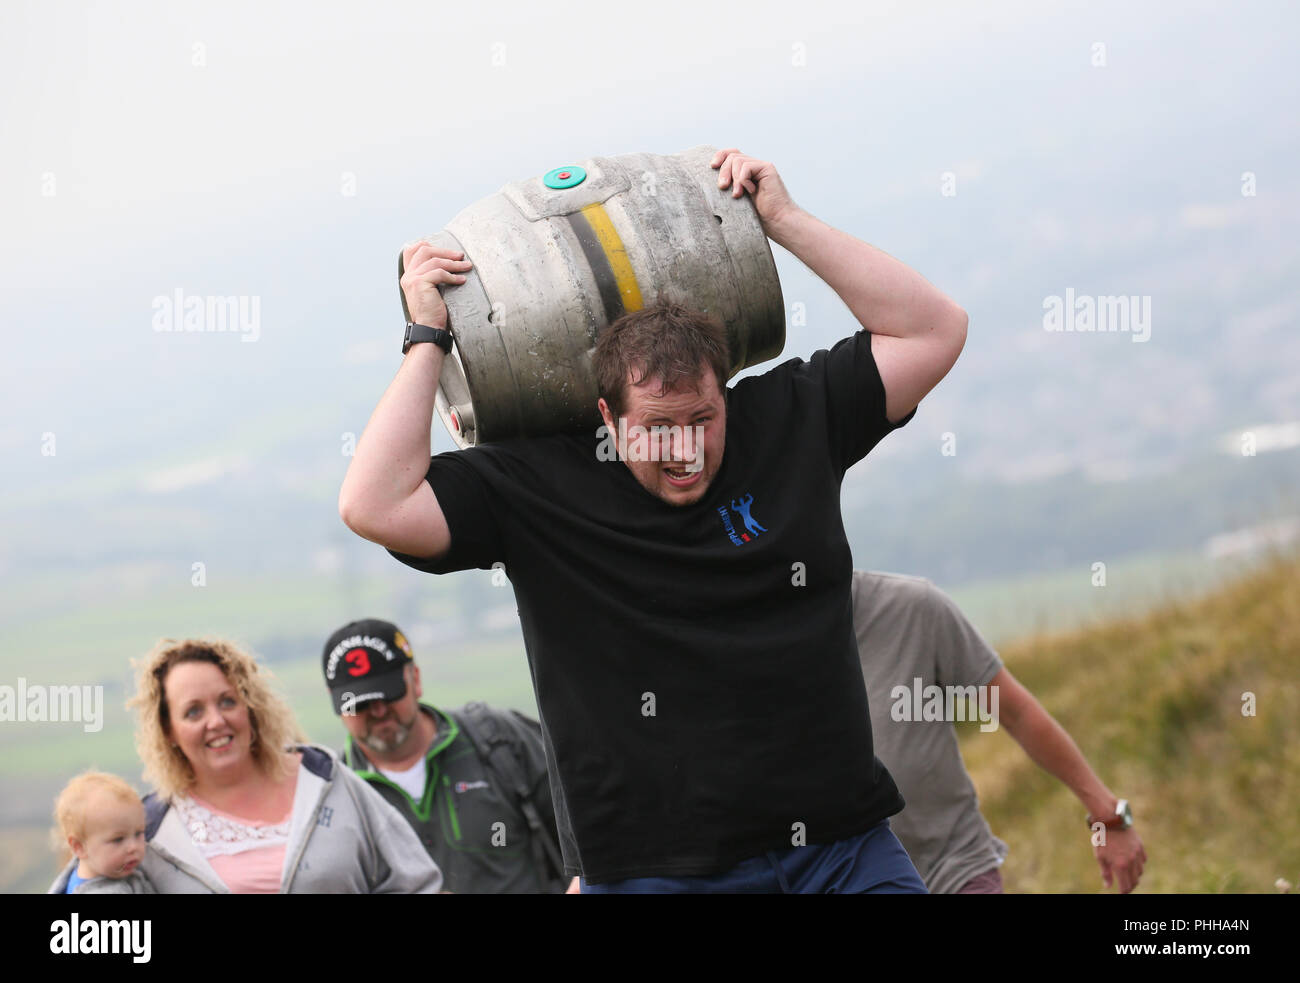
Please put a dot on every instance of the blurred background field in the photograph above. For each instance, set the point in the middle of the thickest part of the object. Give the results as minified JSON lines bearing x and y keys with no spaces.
{"x":1156,"y":704}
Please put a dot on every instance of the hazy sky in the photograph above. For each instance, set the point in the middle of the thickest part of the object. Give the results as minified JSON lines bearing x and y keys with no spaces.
{"x":159,"y":120}
{"x":151,"y":146}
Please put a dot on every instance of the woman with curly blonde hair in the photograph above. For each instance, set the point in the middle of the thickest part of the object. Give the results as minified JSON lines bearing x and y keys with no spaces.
{"x":242,"y":805}
{"x":271,"y":724}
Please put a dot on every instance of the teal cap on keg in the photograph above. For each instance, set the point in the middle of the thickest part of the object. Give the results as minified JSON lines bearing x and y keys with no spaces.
{"x":564,"y":177}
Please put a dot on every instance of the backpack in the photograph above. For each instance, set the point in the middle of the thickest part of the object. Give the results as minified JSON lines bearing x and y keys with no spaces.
{"x":497,"y":749}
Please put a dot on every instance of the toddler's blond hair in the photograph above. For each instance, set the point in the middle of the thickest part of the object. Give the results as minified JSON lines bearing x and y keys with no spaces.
{"x":71,"y":815}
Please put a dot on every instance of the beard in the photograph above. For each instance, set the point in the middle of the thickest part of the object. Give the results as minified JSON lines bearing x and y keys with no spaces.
{"x":399,"y":737}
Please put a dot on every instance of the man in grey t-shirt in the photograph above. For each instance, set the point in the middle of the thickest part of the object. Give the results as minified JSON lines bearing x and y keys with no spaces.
{"x":921,"y":660}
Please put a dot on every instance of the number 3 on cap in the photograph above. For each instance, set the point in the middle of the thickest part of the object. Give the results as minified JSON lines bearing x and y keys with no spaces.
{"x":358,"y":661}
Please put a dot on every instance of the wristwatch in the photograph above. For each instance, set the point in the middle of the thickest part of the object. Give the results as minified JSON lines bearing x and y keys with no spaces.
{"x":1122,"y":819}
{"x":417,"y":333}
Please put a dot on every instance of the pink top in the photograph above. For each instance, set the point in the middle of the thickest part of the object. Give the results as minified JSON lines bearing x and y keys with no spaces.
{"x":253,"y":871}
{"x":248,"y":855}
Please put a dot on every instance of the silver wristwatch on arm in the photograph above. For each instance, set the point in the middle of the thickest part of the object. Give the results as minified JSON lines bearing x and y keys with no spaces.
{"x":1122,"y":819}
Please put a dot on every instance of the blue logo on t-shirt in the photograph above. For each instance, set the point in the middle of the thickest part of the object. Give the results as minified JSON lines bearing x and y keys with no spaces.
{"x":741,"y":508}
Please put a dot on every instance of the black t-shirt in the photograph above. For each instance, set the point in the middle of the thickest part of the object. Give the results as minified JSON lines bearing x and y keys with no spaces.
{"x":696,"y":674}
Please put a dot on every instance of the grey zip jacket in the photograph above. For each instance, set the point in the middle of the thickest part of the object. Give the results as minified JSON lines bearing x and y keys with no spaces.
{"x":134,"y":883}
{"x":343,"y":839}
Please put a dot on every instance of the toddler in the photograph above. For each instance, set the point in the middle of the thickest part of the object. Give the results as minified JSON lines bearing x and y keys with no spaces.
{"x":100,"y":831}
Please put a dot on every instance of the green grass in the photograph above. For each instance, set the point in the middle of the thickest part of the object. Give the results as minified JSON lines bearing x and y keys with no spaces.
{"x":1007,"y":609}
{"x":1155,"y":704}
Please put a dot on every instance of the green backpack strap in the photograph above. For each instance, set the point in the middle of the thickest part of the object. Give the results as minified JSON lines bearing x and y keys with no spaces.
{"x":499,"y":751}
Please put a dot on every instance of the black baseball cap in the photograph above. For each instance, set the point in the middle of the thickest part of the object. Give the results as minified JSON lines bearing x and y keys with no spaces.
{"x":364,"y":660}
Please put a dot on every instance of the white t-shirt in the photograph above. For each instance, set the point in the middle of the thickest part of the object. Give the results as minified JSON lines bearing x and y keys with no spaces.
{"x":412,"y":779}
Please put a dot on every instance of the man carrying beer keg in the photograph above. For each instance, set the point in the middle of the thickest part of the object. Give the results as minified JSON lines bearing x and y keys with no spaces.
{"x":687,"y":615}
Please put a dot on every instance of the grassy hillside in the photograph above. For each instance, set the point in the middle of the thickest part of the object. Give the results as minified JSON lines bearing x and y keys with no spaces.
{"x":1155,"y":703}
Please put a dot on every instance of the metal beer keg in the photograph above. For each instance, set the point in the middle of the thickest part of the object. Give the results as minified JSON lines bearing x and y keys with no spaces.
{"x":558,"y":257}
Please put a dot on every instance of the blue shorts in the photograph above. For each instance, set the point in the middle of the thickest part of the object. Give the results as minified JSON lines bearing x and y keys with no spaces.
{"x":873,"y":862}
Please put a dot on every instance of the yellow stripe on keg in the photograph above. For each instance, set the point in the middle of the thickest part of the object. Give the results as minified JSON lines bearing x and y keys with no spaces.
{"x":619,"y":263}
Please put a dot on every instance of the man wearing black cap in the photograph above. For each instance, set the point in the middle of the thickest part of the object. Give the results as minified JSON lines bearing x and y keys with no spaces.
{"x":473,"y":783}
